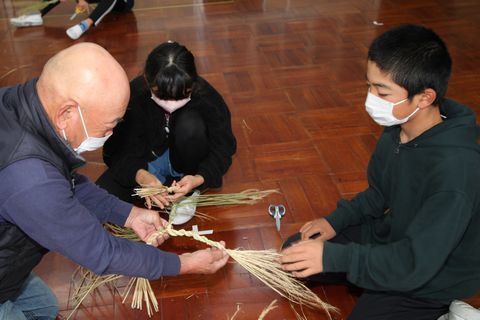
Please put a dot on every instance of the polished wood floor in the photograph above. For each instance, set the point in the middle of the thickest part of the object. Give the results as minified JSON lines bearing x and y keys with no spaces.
{"x":292,"y":72}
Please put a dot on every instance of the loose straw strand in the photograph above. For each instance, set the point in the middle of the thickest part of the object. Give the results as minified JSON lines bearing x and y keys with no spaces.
{"x":270,"y":307}
{"x":236,"y":312}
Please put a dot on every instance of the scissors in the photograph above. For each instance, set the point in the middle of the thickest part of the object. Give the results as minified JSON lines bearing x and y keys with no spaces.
{"x":277,"y":212}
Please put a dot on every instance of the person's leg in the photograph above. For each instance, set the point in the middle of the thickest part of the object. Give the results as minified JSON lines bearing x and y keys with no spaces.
{"x":124,"y":6}
{"x":162,"y":168}
{"x":49,"y":7}
{"x":8,"y":311}
{"x":33,"y":19}
{"x":107,"y":182}
{"x":103,"y":8}
{"x":34,"y":302}
{"x":385,"y":306}
{"x":188,"y":141}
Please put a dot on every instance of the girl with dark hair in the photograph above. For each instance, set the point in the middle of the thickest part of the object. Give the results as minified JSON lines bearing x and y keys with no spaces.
{"x":176,"y":131}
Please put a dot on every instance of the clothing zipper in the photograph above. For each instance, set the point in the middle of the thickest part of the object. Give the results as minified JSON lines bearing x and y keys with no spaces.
{"x":167,"y":119}
{"x":397,"y":149}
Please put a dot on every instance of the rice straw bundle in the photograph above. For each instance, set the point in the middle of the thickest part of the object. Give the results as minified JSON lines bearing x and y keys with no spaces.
{"x":122,"y":232}
{"x":36,"y":7}
{"x":250,"y":196}
{"x":89,"y":281}
{"x":143,"y":291}
{"x":144,"y":192}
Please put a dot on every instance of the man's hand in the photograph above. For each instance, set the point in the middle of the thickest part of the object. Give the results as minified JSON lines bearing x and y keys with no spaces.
{"x":205,"y":261}
{"x":303,"y":258}
{"x":146,"y":179}
{"x":321,"y":226}
{"x":145,"y":222}
{"x":185,"y":185}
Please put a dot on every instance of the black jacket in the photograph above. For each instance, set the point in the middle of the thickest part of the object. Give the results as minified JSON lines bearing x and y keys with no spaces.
{"x":141,"y":135}
{"x":26,"y":132}
{"x":420,"y":214}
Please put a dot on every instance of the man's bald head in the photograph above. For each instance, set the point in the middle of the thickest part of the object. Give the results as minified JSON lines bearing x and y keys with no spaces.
{"x":87,"y":73}
{"x":83,"y":75}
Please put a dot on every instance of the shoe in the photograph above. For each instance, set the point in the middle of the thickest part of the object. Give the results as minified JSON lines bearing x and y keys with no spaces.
{"x":186,"y":209}
{"x":460,"y":310}
{"x":28,"y":20}
{"x":77,"y":30}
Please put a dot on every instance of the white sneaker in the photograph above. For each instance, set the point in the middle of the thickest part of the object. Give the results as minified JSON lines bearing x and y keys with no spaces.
{"x":186,"y":209}
{"x":28,"y":20}
{"x":460,"y":310}
{"x":75,"y":32}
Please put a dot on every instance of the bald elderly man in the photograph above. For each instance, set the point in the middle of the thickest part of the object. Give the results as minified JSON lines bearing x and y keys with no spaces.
{"x":45,"y":124}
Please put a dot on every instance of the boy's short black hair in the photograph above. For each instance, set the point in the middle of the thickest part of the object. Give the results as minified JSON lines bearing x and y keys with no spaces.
{"x":415,"y":57}
{"x":170,"y":71}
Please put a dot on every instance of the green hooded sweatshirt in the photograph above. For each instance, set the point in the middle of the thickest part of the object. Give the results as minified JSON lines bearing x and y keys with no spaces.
{"x":420,"y":215}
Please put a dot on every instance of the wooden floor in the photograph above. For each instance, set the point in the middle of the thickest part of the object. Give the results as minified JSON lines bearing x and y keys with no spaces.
{"x":292,"y":73}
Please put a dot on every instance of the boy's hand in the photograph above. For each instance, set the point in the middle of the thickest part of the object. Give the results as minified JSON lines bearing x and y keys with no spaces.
{"x":321,"y":226}
{"x":303,"y":258}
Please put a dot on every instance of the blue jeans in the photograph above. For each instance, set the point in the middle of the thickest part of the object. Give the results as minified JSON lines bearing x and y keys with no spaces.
{"x":162,"y":168}
{"x":34,"y":302}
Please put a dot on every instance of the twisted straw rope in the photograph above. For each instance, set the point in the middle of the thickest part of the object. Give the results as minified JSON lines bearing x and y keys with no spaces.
{"x":263,"y":264}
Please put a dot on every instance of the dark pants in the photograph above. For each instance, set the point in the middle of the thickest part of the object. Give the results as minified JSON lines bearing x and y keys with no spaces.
{"x":188,"y":145}
{"x":377,"y":305}
{"x":101,"y":10}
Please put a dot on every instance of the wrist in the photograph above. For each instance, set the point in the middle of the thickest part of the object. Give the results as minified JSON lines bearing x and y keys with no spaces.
{"x":131,"y":216}
{"x":199,"y":180}
{"x":140,"y":175}
{"x":184,"y":263}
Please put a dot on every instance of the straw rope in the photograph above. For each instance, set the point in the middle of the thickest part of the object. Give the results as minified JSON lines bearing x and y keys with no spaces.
{"x":263,"y":264}
{"x":88,"y":283}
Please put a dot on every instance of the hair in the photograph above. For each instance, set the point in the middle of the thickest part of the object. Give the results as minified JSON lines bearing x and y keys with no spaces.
{"x":415,"y":57}
{"x":170,"y":71}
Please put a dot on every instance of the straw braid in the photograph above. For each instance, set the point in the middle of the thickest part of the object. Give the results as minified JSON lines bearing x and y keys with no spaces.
{"x":264,"y":265}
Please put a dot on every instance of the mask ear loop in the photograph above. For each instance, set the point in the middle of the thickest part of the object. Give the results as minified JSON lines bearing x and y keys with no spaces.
{"x":83,"y":122}
{"x":401,"y":101}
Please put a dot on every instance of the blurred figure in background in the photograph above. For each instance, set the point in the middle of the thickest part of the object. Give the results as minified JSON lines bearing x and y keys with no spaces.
{"x":103,"y":8}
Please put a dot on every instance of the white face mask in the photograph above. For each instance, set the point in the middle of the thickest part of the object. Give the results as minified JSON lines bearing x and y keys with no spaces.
{"x":170,"y":105}
{"x":381,"y":110}
{"x":90,"y":143}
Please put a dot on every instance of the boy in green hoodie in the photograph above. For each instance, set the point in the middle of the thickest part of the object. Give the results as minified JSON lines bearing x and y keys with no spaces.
{"x":412,"y":238}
